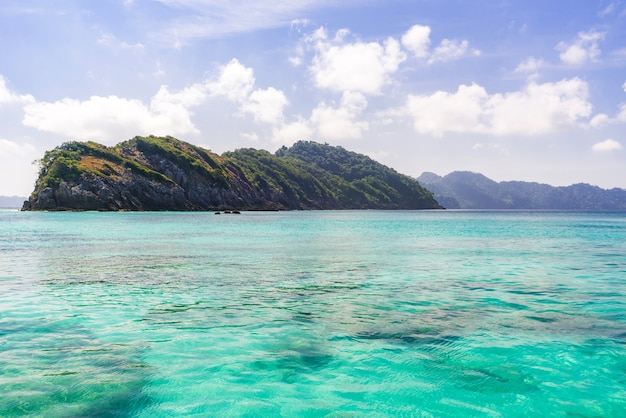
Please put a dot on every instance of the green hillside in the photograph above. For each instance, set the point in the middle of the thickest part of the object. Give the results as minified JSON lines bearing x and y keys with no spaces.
{"x":164,"y":173}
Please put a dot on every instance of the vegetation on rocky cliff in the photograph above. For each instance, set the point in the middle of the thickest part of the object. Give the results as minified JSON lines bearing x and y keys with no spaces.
{"x":164,"y":173}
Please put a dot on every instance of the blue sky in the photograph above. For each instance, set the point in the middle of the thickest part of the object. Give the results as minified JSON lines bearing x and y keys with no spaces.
{"x":517,"y":90}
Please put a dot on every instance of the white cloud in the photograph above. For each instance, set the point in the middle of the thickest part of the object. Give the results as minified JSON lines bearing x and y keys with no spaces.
{"x":357,"y":66}
{"x":110,"y":118}
{"x":624,"y":86}
{"x":451,"y":49}
{"x":235,"y":82}
{"x":341,"y":122}
{"x":583,"y":49}
{"x":266,"y":105}
{"x":186,"y":98}
{"x":600,"y":120}
{"x":608,"y":145}
{"x":342,"y":64}
{"x":529,"y":66}
{"x":537,"y":109}
{"x":289,"y":133}
{"x":8,"y":97}
{"x":169,"y":113}
{"x":448,"y":112}
{"x":417,"y":40}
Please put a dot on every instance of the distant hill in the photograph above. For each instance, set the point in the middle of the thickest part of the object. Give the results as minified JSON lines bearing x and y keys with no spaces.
{"x":164,"y":173}
{"x":467,"y":190}
{"x":11,"y":201}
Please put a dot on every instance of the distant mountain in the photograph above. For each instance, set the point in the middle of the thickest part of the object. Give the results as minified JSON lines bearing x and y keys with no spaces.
{"x":11,"y":201}
{"x":164,"y":173}
{"x":467,"y":190}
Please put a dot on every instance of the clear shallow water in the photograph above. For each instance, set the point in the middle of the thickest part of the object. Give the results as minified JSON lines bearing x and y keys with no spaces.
{"x":350,"y":313}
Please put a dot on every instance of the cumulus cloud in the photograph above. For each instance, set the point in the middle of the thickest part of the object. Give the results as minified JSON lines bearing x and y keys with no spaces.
{"x":345,"y":63}
{"x":8,"y":97}
{"x":449,"y":112}
{"x":341,"y":122}
{"x":266,"y":105}
{"x":600,"y":120}
{"x":168,"y":113}
{"x":537,"y":109}
{"x":353,"y":66}
{"x":110,"y":118}
{"x":529,"y":66}
{"x":606,"y":146}
{"x":234,"y":82}
{"x":417,"y":40}
{"x":585,"y":48}
{"x":624,"y":86}
{"x":451,"y":49}
{"x":289,"y":133}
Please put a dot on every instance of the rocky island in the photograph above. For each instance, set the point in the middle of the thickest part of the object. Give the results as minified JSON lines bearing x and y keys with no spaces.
{"x":164,"y":173}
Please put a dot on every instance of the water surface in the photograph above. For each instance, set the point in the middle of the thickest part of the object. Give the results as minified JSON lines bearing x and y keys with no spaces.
{"x":350,"y":313}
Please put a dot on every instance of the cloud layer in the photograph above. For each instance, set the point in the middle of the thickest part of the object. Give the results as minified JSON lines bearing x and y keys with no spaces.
{"x":536,"y":109}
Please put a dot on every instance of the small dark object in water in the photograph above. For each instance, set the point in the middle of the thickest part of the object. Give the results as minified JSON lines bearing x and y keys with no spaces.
{"x":236,"y":212}
{"x":218,"y":213}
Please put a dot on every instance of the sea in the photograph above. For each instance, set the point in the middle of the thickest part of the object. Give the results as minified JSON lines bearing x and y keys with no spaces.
{"x":313,"y":314}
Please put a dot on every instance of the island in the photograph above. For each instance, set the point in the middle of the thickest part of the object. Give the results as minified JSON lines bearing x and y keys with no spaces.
{"x":468,"y":190}
{"x":166,"y":174}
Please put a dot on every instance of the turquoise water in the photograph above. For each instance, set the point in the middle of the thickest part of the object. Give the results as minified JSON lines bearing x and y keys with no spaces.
{"x":438,"y":313}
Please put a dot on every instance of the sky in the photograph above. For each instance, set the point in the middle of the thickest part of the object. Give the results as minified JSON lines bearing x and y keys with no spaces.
{"x":529,"y":90}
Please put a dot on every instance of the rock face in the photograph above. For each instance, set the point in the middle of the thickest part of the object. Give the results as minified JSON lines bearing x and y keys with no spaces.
{"x":164,"y":173}
{"x":467,"y":190}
